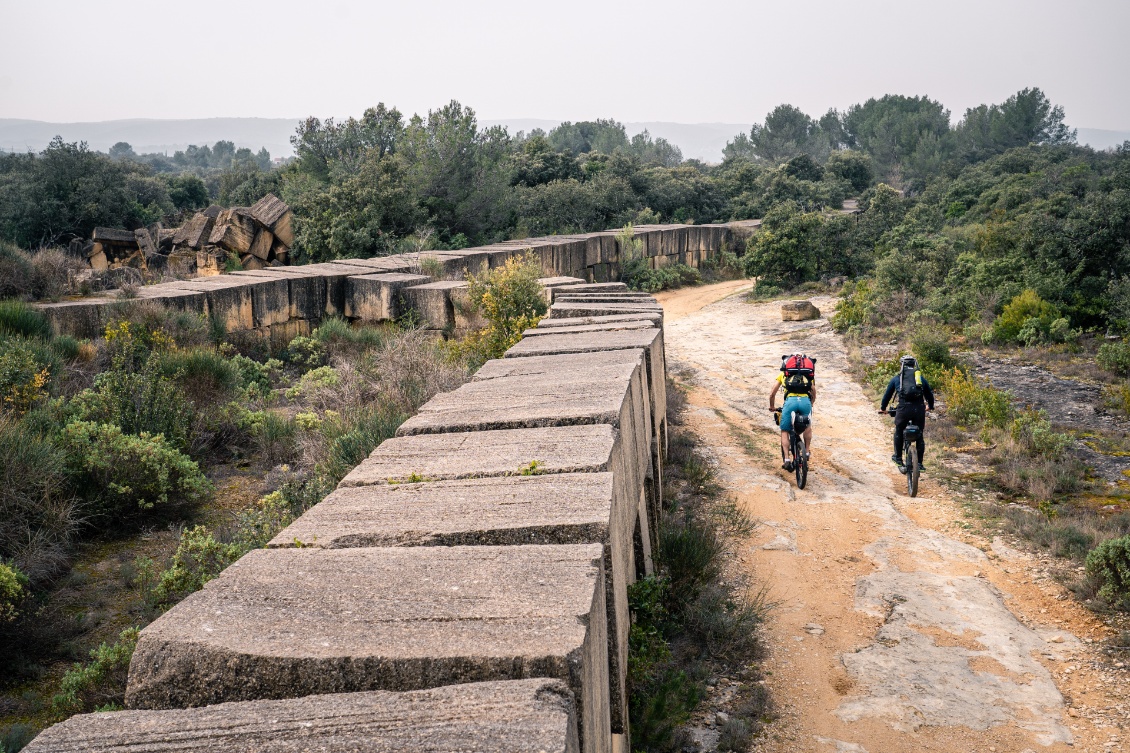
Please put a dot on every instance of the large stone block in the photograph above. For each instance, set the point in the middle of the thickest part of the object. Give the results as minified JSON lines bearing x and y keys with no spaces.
{"x":285,"y":623}
{"x":654,"y":317}
{"x":514,"y":716}
{"x":432,"y":303}
{"x":570,"y":508}
{"x":377,"y":297}
{"x":605,"y":298}
{"x":86,"y":318}
{"x":481,"y":454}
{"x":798,"y":311}
{"x":229,"y":300}
{"x":170,"y":296}
{"x":334,"y":276}
{"x":595,"y":287}
{"x":578,"y":328}
{"x":573,"y":309}
{"x":306,"y":291}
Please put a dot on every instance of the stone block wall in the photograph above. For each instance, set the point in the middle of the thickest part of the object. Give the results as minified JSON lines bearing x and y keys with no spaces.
{"x":464,"y":587}
{"x":282,"y":302}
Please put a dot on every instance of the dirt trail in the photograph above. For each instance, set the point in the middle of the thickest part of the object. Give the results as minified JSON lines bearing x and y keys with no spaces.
{"x":896,"y":629}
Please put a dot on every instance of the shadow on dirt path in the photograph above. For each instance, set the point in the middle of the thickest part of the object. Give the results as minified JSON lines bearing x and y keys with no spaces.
{"x":897,"y":630}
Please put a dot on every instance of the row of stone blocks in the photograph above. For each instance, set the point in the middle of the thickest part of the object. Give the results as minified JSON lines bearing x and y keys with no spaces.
{"x":463,"y":589}
{"x":282,"y":302}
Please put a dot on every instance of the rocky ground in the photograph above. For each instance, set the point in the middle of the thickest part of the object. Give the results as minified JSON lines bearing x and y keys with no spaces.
{"x":899,"y":626}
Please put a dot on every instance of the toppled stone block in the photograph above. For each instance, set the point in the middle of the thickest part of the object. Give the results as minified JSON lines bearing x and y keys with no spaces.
{"x":514,"y":716}
{"x":284,"y":623}
{"x":798,"y":311}
{"x":432,"y":302}
{"x":377,"y":297}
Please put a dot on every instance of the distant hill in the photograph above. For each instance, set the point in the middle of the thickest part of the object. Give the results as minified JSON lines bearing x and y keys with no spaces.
{"x":702,"y":141}
{"x":147,"y":136}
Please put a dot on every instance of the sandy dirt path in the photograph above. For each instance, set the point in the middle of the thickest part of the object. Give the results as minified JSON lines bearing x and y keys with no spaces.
{"x":896,"y":629}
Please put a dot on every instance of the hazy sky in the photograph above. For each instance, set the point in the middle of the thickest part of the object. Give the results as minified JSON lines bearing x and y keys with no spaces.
{"x":702,"y":61}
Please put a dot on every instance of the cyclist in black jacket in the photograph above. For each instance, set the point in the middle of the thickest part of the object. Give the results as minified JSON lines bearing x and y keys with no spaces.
{"x":915,"y":398}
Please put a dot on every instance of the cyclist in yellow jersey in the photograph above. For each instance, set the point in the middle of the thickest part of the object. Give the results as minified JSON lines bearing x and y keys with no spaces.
{"x":795,"y":402}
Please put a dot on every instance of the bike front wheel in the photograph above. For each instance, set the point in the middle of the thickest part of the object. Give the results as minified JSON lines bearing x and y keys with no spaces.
{"x":800,"y":463}
{"x":912,"y":471}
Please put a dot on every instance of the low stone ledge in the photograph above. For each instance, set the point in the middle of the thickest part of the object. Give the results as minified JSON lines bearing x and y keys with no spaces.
{"x":284,"y":623}
{"x":595,"y":287}
{"x":306,"y":291}
{"x":514,"y":716}
{"x":606,"y":298}
{"x":86,"y":318}
{"x":229,"y":300}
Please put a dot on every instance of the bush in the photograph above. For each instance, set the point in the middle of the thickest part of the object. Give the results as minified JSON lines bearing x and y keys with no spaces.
{"x":971,"y":402}
{"x":124,"y":474}
{"x":931,"y":348}
{"x":1027,"y":319}
{"x":665,"y":278}
{"x":23,"y":379}
{"x":511,"y":300}
{"x":1114,"y":357}
{"x":349,"y":441}
{"x":203,"y":375}
{"x":1110,"y":562}
{"x":18,"y":318}
{"x":13,"y":591}
{"x":199,"y":558}
{"x":100,"y":684}
{"x":854,"y":306}
{"x":38,"y":517}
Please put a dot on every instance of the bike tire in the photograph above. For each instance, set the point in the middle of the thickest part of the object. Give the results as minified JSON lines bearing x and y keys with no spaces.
{"x":912,"y":471}
{"x":801,"y":463}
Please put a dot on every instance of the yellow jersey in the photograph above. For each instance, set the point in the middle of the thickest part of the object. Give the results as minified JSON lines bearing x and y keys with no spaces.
{"x":781,"y":381}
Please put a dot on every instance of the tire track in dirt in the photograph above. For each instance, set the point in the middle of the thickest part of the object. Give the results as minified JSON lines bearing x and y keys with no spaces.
{"x":895,"y":630}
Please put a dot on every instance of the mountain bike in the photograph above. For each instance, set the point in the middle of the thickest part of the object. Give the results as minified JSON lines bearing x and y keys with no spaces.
{"x":910,"y":467}
{"x":796,"y":446}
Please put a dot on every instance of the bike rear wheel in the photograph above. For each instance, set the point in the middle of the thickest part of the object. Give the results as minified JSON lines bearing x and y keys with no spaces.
{"x":912,"y":470}
{"x":800,"y":463}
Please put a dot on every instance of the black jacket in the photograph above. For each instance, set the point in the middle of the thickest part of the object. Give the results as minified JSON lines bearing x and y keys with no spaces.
{"x":893,"y":386}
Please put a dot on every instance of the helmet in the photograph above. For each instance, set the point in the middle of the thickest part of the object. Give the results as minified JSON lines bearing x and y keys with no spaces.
{"x":908,"y":360}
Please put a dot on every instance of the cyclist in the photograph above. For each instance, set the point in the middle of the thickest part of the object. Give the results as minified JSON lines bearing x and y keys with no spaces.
{"x":915,"y":398}
{"x":798,"y":378}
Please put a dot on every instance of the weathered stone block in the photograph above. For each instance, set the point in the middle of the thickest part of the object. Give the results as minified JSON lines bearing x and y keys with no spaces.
{"x":334,"y":276}
{"x":573,"y":309}
{"x":306,"y":291}
{"x":468,"y":316}
{"x":377,"y":297}
{"x":572,"y":508}
{"x":798,"y":311}
{"x":655,"y":318}
{"x":595,"y":287}
{"x":86,"y":318}
{"x":432,"y":302}
{"x":480,"y":454}
{"x":284,"y":623}
{"x":514,"y":716}
{"x":606,"y":327}
{"x":229,"y":300}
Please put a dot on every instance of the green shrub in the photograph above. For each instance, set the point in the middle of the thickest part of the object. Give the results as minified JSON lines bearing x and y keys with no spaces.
{"x":352,"y":438}
{"x":1110,"y":563}
{"x":665,"y":278}
{"x":99,"y":684}
{"x":1027,"y":319}
{"x":23,"y":378}
{"x":306,"y":351}
{"x":16,"y":737}
{"x":276,"y":437}
{"x":202,"y":374}
{"x":971,"y":402}
{"x":313,"y":381}
{"x":1114,"y":357}
{"x":511,"y":300}
{"x":18,"y":318}
{"x":1033,"y":430}
{"x":13,"y":591}
{"x":931,"y":348}
{"x":38,"y":516}
{"x":125,"y":474}
{"x":854,"y":305}
{"x":336,"y":334}
{"x":199,"y":558}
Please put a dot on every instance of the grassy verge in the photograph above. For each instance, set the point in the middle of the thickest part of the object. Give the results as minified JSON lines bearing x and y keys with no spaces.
{"x":697,"y":620}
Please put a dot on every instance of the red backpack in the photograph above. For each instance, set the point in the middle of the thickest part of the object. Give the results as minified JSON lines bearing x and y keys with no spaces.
{"x":800,"y":373}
